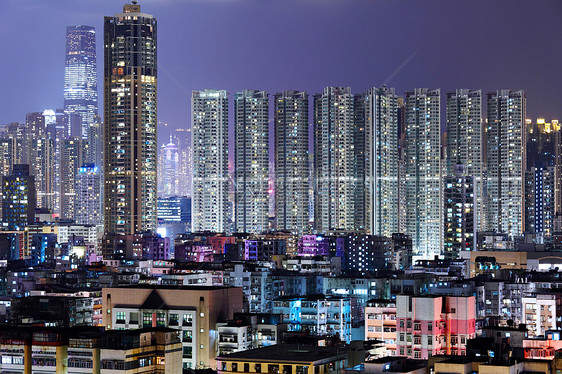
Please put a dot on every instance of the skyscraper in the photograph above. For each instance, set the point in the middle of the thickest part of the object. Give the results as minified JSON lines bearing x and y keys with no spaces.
{"x":251,"y":161}
{"x":334,"y":159}
{"x":465,"y":132}
{"x":88,"y":203}
{"x":80,"y":75}
{"x":18,"y":198}
{"x":506,"y":159}
{"x":130,"y":122}
{"x":423,"y":171}
{"x":169,"y":170}
{"x":291,"y":161}
{"x":381,"y":161}
{"x":210,"y":160}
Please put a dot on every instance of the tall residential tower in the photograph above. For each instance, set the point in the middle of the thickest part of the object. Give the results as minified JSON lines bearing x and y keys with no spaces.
{"x":291,"y":161}
{"x":423,"y":171}
{"x":130,"y":157}
{"x":209,"y":206}
{"x":252,"y":161}
{"x":506,"y":158}
{"x":334,"y":137}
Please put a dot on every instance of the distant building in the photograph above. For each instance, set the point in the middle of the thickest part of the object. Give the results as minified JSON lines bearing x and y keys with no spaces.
{"x":80,"y":75}
{"x":169,"y":169}
{"x":18,"y":198}
{"x":71,"y":160}
{"x":88,"y":201}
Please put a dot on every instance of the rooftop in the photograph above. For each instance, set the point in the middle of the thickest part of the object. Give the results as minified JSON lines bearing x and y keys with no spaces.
{"x":287,"y":353}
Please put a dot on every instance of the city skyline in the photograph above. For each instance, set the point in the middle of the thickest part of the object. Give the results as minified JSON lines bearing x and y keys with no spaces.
{"x":405,"y":52}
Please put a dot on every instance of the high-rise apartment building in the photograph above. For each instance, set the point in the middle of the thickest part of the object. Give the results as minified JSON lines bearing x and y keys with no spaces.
{"x":18,"y":198}
{"x":71,"y":160}
{"x":210,"y":160}
{"x":458,"y":214}
{"x":80,"y":75}
{"x":41,"y":156}
{"x":88,"y":201}
{"x":423,"y":171}
{"x":169,"y":170}
{"x":506,"y":161}
{"x":251,"y":157}
{"x":539,"y":201}
{"x":381,"y":162}
{"x":291,"y":161}
{"x":334,"y":159}
{"x":130,"y":122}
{"x":465,"y":136}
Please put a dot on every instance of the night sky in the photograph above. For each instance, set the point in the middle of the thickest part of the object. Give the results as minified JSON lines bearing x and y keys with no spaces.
{"x":298,"y":44}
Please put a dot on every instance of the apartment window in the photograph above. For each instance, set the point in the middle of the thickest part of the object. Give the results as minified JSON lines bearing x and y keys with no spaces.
{"x":430,"y":326}
{"x":417,"y":354}
{"x":174,"y":320}
{"x":146,"y":320}
{"x":134,"y":318}
{"x":417,"y":326}
{"x":417,"y":339}
{"x":401,"y":351}
{"x":223,"y":366}
{"x":120,"y":317}
{"x":401,"y":337}
{"x":409,"y":324}
{"x":187,"y":319}
{"x":257,"y":368}
{"x":246,"y":367}
{"x":161,"y":319}
{"x":463,"y":340}
{"x":273,"y":369}
{"x":187,"y":336}
{"x":453,"y":310}
{"x":429,"y":340}
{"x":235,"y":366}
{"x":401,"y":323}
{"x":454,"y":340}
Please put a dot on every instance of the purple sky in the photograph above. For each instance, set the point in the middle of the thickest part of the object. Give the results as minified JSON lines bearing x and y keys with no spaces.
{"x":298,"y":44}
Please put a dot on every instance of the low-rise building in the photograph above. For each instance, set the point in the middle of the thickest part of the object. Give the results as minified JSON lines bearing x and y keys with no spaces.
{"x":194,"y":310}
{"x":286,"y":359}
